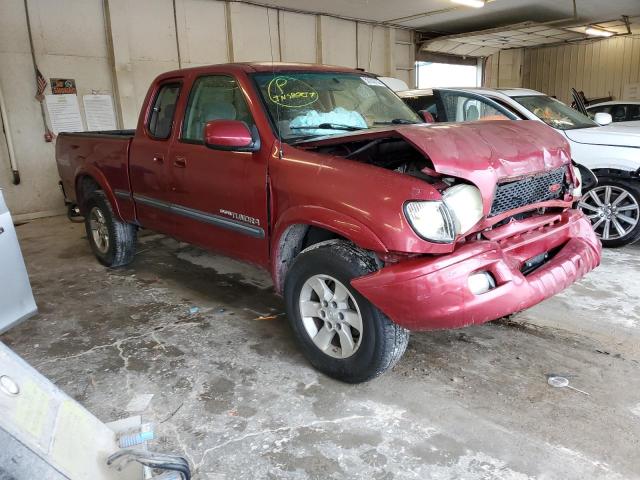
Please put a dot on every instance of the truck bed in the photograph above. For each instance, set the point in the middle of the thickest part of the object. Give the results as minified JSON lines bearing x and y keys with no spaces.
{"x":101,"y":133}
{"x":102,"y":155}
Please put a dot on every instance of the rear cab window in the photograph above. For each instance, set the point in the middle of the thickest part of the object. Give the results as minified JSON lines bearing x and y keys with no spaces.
{"x":160,"y":121}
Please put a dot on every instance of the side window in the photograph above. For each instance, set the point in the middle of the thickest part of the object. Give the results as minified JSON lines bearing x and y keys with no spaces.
{"x":633,"y":112}
{"x":164,"y":106}
{"x":424,"y":102}
{"x":215,"y":97}
{"x":619,"y":113}
{"x":466,"y":108}
{"x":507,"y":107}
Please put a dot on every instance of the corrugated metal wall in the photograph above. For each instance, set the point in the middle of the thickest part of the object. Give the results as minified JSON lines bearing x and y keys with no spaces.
{"x":599,"y":68}
{"x":504,"y":69}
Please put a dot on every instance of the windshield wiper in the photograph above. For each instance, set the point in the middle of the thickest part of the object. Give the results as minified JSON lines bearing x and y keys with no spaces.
{"x":329,"y":126}
{"x":396,"y":121}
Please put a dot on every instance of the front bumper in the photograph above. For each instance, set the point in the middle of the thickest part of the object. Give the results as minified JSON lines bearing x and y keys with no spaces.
{"x":433,"y":293}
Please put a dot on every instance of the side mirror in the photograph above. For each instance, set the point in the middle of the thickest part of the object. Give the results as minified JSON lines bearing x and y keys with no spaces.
{"x":602,"y":118}
{"x":230,"y":135}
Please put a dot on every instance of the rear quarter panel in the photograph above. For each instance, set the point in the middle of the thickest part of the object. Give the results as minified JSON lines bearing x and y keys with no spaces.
{"x":104,"y":158}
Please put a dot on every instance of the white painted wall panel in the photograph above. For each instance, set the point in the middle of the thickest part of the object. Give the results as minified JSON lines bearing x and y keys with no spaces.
{"x":202,"y":32}
{"x":255,"y":33}
{"x":338,"y":42}
{"x":298,"y":37}
{"x":373,"y":48}
{"x":71,"y":27}
{"x":13,"y":31}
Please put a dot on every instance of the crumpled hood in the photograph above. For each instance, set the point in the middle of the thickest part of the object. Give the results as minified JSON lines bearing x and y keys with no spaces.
{"x":483,"y":153}
{"x":620,"y":135}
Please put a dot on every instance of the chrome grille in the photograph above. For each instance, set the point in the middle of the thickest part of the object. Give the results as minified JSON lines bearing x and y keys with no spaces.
{"x":527,"y":191}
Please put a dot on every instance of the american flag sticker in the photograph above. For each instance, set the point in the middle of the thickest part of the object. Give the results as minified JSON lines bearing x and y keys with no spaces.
{"x":42,"y":84}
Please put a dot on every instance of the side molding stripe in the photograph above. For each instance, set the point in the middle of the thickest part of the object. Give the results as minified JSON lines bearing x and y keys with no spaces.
{"x":125,"y":195}
{"x":217,"y":220}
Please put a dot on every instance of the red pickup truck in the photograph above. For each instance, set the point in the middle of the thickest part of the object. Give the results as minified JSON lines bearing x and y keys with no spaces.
{"x":371,"y":222}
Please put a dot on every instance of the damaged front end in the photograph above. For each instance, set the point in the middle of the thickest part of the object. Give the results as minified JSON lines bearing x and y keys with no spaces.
{"x":486,"y":175}
{"x":504,"y":210}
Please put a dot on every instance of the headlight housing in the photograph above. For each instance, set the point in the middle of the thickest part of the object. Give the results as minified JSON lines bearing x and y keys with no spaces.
{"x":465,"y":202}
{"x":440,"y":221}
{"x":431,"y":220}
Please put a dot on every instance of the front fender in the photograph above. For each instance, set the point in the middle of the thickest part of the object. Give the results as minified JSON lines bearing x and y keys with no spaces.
{"x":597,"y":157}
{"x":292,"y":225}
{"x":337,"y":222}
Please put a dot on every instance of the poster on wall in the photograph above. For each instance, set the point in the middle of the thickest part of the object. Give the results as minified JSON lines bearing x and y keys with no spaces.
{"x":63,"y":86}
{"x":99,"y":113}
{"x":64,"y":113}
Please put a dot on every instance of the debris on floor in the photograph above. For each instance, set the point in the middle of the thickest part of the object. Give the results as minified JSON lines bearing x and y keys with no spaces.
{"x":139,"y":403}
{"x":562,"y":382}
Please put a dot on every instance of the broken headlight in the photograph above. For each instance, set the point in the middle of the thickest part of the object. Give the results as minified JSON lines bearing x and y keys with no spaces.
{"x":465,"y":203}
{"x":440,"y":221}
{"x":432,"y":220}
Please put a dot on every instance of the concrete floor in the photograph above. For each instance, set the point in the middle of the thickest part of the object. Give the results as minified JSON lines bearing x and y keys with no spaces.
{"x":232,"y":392}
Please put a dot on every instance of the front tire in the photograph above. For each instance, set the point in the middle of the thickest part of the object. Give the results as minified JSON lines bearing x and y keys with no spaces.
{"x":112,"y":240}
{"x":341,"y":333}
{"x":613,"y":207}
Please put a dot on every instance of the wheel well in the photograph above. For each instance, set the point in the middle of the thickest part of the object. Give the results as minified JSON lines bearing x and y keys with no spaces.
{"x":85,"y":186}
{"x":615,"y":173}
{"x":295,"y":239}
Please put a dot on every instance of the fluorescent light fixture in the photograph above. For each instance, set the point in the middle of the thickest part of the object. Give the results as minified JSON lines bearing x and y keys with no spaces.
{"x":598,"y":32}
{"x":470,"y":3}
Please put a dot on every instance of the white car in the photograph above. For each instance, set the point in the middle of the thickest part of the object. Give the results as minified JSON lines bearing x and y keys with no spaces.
{"x":622,"y":112}
{"x":611,"y":151}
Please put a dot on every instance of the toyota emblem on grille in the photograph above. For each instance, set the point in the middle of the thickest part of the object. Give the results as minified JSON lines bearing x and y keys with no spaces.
{"x":554,"y":188}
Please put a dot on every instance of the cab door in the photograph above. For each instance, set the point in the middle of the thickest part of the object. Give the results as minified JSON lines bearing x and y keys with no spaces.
{"x":219,"y":197}
{"x":149,"y":153}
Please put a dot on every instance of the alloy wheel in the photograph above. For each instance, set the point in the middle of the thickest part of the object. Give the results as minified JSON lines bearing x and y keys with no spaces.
{"x":331,"y":316}
{"x":613,"y":211}
{"x":99,"y":230}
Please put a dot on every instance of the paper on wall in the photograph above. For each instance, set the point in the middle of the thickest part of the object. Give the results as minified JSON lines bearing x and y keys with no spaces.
{"x":64,"y":113}
{"x":99,"y":113}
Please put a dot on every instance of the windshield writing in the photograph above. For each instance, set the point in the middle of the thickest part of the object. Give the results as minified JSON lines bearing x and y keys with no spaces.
{"x":310,"y":104}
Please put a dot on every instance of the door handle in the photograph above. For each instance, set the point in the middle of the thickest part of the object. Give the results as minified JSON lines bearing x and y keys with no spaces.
{"x":158,"y":159}
{"x":180,"y":162}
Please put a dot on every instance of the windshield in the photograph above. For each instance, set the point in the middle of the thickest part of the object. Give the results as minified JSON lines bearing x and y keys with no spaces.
{"x":304,"y":105}
{"x":555,"y":113}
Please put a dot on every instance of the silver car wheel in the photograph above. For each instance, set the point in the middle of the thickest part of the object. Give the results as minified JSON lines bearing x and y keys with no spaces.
{"x":613,"y":211}
{"x":99,"y":230}
{"x":331,"y":316}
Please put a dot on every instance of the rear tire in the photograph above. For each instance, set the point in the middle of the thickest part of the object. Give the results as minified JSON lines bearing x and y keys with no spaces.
{"x":112,"y":240}
{"x":613,"y":207}
{"x":352,"y":340}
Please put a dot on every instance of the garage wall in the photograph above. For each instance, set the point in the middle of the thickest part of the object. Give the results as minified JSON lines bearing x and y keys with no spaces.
{"x":66,"y":46}
{"x":599,"y":68}
{"x":504,"y":69}
{"x":118,"y":46}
